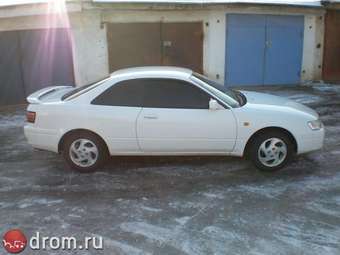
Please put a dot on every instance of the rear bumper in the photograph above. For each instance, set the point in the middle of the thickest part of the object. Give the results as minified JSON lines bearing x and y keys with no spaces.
{"x":43,"y":139}
{"x":312,"y":141}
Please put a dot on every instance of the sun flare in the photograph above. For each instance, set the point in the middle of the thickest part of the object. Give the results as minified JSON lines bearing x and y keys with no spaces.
{"x":57,"y":6}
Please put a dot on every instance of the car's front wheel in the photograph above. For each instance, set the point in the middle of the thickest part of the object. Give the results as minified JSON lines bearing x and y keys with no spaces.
{"x":84,"y":152}
{"x":271,"y":151}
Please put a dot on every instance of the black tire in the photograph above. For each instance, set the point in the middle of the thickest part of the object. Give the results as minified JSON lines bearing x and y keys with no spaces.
{"x":94,"y":140}
{"x":254,"y":152}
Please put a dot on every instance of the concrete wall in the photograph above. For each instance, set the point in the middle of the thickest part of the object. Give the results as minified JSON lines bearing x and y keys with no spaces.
{"x":90,"y":44}
{"x":90,"y":52}
{"x":313,"y":48}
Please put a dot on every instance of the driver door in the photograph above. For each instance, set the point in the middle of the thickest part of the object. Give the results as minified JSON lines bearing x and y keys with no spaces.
{"x":175,"y":118}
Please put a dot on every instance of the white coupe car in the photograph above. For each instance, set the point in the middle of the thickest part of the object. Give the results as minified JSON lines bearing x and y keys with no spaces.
{"x":168,"y":111}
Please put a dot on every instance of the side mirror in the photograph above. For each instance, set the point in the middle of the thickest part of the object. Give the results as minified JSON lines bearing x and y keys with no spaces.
{"x":214,"y":105}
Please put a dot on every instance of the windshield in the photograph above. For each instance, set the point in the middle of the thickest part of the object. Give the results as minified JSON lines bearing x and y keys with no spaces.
{"x":84,"y":88}
{"x":230,"y":97}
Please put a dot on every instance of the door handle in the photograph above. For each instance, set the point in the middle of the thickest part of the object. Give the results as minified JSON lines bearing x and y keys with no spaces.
{"x":150,"y":117}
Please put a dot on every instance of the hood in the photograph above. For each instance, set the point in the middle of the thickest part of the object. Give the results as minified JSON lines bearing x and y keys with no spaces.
{"x":256,"y":98}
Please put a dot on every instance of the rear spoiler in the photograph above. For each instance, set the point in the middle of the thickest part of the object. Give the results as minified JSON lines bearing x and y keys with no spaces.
{"x":35,"y":97}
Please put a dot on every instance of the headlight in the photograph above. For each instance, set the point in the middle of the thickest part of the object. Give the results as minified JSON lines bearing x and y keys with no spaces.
{"x":315,"y":124}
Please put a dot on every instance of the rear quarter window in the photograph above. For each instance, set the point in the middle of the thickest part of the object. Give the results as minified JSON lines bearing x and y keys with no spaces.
{"x":84,"y":89}
{"x":126,"y":93}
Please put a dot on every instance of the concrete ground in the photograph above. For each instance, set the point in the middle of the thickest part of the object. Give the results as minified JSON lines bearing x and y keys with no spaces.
{"x":192,"y":205}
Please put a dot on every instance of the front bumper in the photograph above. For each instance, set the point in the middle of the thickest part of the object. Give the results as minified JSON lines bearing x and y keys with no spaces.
{"x":311,"y":141}
{"x":43,"y":139}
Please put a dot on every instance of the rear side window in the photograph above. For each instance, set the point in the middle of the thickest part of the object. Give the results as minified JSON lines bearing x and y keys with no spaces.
{"x":171,"y":93}
{"x":125,"y":93}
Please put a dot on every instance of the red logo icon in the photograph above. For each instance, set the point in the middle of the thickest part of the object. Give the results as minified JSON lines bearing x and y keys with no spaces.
{"x":14,"y":241}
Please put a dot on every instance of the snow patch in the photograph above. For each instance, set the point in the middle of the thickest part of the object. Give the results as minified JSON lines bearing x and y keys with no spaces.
{"x":337,"y":200}
{"x":38,"y":201}
{"x":213,"y":195}
{"x":149,"y":231}
{"x":188,"y":205}
{"x":5,"y":205}
{"x":74,"y":216}
{"x":183,"y":220}
{"x":305,"y":98}
{"x":164,"y":236}
{"x":327,"y":88}
{"x":60,"y":220}
{"x":219,"y":234}
{"x":12,"y":121}
{"x":319,"y":207}
{"x":150,"y":209}
{"x":293,"y":234}
{"x":317,"y":183}
{"x":269,"y":191}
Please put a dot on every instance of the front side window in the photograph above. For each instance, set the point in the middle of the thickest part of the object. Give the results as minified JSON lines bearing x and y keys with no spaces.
{"x":230,"y":97}
{"x":172,"y":93}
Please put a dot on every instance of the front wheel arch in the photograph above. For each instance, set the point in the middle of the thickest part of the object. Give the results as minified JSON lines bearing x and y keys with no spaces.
{"x":77,"y":131}
{"x":266,"y":130}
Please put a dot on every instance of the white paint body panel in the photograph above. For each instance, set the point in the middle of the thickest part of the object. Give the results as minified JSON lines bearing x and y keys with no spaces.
{"x":126,"y":131}
{"x":186,"y":130}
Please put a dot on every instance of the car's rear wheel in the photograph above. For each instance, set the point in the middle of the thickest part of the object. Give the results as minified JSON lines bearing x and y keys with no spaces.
{"x":84,"y":152}
{"x":271,"y":151}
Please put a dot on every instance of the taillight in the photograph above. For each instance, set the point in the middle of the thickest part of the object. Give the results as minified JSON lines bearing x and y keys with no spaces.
{"x":30,"y":116}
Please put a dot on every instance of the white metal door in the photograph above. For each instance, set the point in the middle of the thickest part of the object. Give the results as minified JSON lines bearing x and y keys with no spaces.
{"x":186,"y":130}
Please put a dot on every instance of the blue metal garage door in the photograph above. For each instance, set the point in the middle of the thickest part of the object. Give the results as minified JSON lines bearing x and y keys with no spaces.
{"x":263,"y":49}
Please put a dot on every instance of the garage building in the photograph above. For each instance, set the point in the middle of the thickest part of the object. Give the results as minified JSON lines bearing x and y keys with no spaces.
{"x":331,"y":61}
{"x":238,"y":44}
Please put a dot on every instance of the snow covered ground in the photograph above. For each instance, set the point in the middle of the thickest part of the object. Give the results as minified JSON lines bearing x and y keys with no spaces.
{"x":172,"y":205}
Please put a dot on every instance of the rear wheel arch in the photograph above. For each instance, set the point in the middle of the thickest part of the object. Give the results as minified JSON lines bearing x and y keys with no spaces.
{"x":78,"y":131}
{"x":270,"y":129}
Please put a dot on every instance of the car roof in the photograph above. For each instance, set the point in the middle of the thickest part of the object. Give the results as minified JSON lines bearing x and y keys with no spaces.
{"x":154,"y":71}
